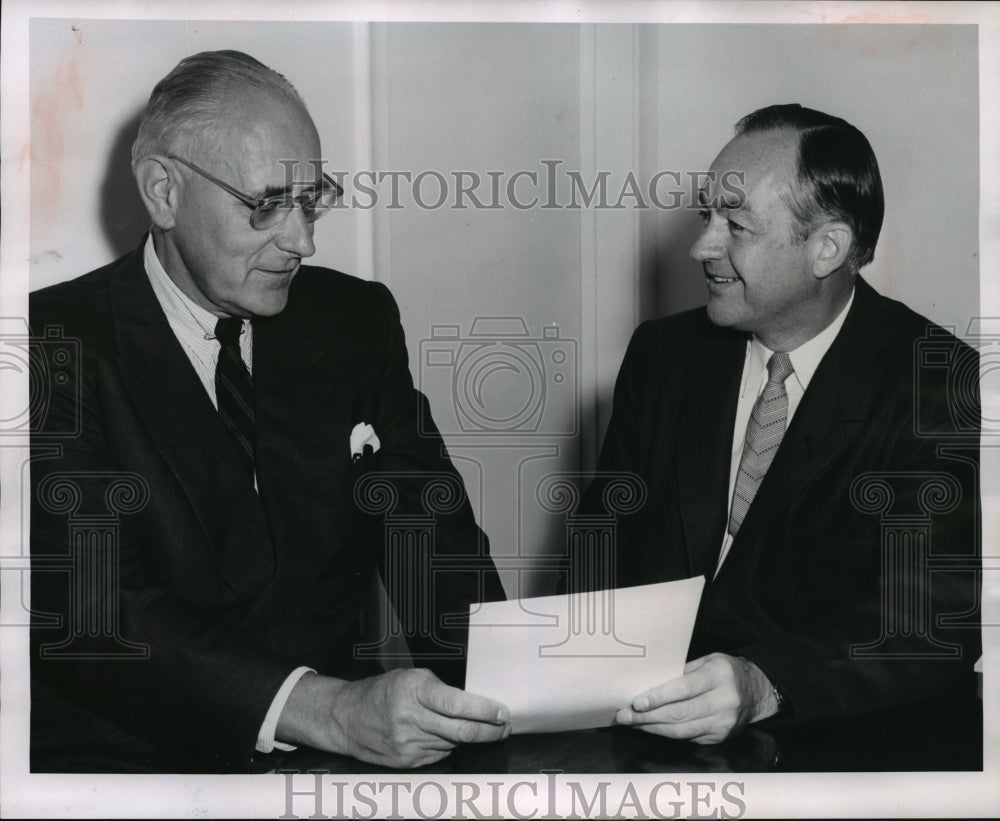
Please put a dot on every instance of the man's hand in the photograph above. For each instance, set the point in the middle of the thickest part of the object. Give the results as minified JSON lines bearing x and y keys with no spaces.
{"x":717,"y":696}
{"x":401,"y":719}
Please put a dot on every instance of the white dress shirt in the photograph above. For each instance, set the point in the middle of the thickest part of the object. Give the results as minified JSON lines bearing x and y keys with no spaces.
{"x":805,"y":359}
{"x":194,"y":328}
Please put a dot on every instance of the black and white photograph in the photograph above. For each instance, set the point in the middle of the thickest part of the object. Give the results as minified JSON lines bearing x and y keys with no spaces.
{"x":532,"y":410}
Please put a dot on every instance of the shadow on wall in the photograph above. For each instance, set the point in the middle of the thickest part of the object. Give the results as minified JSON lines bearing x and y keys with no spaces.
{"x":123,"y":216}
{"x":669,"y":280}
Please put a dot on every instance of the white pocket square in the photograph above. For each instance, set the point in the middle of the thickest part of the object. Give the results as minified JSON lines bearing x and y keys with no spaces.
{"x":364,"y":442}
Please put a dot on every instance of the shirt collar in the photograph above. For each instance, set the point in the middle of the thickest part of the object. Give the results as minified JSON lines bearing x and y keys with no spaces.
{"x":805,"y":358}
{"x":185,"y":315}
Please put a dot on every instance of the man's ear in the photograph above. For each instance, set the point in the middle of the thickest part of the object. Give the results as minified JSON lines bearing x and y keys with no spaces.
{"x":158,"y":189}
{"x":833,"y":243}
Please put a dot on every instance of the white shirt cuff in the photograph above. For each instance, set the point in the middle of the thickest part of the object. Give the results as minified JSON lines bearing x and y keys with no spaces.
{"x":265,"y":738}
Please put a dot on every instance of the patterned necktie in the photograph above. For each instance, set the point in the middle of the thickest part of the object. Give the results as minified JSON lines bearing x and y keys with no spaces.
{"x":234,"y":390}
{"x":764,"y":433}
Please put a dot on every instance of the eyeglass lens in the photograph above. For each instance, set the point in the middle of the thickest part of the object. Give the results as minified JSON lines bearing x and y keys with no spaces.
{"x":313,"y":205}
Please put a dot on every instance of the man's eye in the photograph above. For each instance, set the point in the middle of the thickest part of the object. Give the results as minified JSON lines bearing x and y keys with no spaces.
{"x":309,"y":201}
{"x":736,"y":228}
{"x":704,"y":215}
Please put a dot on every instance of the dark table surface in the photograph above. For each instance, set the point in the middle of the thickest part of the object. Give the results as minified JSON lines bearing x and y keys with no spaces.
{"x":944,"y":735}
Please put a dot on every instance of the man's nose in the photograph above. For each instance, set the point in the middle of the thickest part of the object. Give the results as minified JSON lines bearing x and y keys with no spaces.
{"x":296,"y":234}
{"x":710,"y":242}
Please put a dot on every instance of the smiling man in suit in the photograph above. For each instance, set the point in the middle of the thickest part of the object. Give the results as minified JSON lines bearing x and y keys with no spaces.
{"x":239,"y":397}
{"x":756,"y":424}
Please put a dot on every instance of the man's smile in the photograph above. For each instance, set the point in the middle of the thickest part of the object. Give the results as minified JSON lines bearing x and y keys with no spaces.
{"x":717,"y":280}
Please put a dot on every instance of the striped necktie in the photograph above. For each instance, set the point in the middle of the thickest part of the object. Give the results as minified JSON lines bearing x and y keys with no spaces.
{"x":764,"y":434}
{"x":234,"y":390}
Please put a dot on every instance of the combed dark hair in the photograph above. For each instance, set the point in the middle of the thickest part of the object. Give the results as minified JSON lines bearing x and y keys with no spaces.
{"x":837,"y":173}
{"x":189,"y":103}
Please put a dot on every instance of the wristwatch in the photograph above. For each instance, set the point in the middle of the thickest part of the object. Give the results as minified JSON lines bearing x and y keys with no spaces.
{"x":780,"y":699}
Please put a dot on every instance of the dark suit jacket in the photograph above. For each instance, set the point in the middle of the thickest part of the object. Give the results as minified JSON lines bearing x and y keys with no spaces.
{"x":811,"y":574}
{"x":229,"y":591}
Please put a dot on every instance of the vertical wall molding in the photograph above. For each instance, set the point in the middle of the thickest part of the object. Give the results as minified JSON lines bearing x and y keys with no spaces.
{"x":364,"y":131}
{"x":378,"y":117}
{"x":589,"y":297}
{"x":609,"y":237}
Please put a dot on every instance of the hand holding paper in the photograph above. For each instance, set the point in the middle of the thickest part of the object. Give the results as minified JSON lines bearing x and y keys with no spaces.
{"x":572,"y":662}
{"x":401,"y":719}
{"x":717,"y":696}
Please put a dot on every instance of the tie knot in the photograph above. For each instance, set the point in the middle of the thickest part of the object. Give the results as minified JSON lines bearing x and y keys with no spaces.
{"x":228,"y":330}
{"x":779,"y":367}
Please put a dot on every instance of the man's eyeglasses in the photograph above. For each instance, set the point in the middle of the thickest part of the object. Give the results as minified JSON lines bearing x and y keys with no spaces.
{"x":266,"y":212}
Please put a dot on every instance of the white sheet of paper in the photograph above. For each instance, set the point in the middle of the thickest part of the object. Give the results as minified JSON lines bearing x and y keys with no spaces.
{"x":571,"y":662}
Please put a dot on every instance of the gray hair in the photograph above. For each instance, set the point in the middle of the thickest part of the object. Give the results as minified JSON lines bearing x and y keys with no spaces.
{"x":188,"y":104}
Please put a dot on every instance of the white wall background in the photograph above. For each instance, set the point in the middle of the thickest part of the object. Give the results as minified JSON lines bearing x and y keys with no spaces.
{"x":505,"y":97}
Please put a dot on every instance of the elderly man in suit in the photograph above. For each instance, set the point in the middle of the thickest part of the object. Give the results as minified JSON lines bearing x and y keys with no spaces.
{"x":756,"y":422}
{"x":241,"y":396}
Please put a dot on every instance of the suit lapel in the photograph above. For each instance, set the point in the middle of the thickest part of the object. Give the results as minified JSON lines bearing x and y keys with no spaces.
{"x":837,"y":400}
{"x":308,"y":397}
{"x":188,"y":432}
{"x":705,"y":442}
